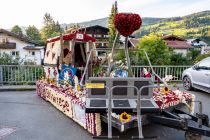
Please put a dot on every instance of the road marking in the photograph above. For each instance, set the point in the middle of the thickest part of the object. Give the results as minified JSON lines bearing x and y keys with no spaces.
{"x":4,"y":131}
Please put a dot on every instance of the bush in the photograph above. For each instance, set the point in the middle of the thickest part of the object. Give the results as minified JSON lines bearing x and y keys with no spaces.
{"x":200,"y":57}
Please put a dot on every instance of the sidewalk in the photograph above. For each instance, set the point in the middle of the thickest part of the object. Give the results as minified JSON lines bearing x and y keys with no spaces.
{"x":17,"y":87}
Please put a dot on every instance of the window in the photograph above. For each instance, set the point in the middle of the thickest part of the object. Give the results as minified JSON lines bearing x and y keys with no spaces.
{"x":205,"y":64}
{"x":13,"y":53}
{"x":17,"y":53}
{"x":33,"y":53}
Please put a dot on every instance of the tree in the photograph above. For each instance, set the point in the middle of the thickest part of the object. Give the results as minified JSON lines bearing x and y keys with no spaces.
{"x":33,"y":34}
{"x":112,"y":30}
{"x":158,"y":52}
{"x":16,"y":29}
{"x":50,"y":28}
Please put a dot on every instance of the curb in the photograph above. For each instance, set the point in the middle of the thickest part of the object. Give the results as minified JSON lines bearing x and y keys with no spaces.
{"x":12,"y":88}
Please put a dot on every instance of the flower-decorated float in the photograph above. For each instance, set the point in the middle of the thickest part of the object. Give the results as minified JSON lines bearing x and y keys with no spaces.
{"x":117,"y":97}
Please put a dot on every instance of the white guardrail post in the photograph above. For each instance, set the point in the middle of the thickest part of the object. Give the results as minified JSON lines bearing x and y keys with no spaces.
{"x":20,"y":74}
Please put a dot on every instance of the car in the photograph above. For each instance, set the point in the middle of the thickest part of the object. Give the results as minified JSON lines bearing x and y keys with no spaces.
{"x":198,"y":76}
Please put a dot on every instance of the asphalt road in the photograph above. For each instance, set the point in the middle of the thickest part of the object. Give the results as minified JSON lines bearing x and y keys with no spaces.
{"x":35,"y":119}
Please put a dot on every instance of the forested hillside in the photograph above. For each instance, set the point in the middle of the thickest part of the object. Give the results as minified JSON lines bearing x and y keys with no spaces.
{"x":192,"y":26}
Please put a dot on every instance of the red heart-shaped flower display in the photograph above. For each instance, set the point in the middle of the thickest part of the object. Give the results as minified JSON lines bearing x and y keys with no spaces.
{"x":127,"y":23}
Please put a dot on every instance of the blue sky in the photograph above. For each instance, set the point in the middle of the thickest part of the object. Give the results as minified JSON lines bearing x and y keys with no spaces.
{"x":30,"y":12}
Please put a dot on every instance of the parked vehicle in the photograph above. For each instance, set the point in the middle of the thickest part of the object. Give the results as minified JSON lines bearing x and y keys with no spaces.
{"x":198,"y":76}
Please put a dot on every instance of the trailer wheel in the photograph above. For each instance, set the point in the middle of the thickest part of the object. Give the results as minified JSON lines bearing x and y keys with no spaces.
{"x":192,"y":136}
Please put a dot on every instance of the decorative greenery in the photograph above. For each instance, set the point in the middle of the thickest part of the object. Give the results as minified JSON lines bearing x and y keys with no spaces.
{"x":112,"y":30}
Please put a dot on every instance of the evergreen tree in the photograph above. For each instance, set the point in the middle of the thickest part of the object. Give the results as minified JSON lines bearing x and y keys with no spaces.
{"x":50,"y":28}
{"x":16,"y":29}
{"x":112,"y":30}
{"x":33,"y":34}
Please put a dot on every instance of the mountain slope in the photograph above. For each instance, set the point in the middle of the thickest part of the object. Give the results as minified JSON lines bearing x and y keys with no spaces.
{"x":104,"y":22}
{"x":196,"y":25}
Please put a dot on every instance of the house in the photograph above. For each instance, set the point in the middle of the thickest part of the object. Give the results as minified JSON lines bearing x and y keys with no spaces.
{"x":133,"y":42}
{"x":100,"y":33}
{"x":205,"y":49}
{"x":197,"y":42}
{"x":178,"y":44}
{"x":20,"y":46}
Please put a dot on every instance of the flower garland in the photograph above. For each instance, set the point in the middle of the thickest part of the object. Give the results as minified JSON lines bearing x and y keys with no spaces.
{"x":72,"y":103}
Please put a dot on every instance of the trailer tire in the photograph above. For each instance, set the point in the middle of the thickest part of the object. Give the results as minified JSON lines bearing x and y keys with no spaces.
{"x":192,"y":136}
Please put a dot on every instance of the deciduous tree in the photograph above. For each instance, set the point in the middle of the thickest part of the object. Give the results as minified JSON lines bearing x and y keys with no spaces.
{"x":156,"y":49}
{"x":16,"y":29}
{"x":33,"y":34}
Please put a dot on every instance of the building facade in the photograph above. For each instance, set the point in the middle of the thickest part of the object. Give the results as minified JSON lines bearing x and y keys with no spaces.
{"x":178,"y":44}
{"x":18,"y":46}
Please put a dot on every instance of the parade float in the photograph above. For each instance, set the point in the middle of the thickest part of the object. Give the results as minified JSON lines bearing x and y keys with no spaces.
{"x":115,"y":97}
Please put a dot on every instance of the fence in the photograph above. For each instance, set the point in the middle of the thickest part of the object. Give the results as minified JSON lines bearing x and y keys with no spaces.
{"x":24,"y":74}
{"x":19,"y":74}
{"x":162,"y":71}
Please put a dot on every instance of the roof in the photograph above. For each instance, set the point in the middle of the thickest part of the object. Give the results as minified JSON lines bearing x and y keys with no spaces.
{"x":170,"y":37}
{"x":22,"y":38}
{"x":79,"y":37}
{"x":96,"y":26}
{"x":33,"y":47}
{"x":197,"y":41}
{"x":134,"y":42}
{"x":178,"y":44}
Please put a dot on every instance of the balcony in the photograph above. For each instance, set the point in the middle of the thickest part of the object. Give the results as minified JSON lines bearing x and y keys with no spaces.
{"x":7,"y":45}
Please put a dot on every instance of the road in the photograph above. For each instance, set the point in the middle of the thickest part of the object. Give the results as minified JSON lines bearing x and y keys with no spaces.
{"x":35,"y":119}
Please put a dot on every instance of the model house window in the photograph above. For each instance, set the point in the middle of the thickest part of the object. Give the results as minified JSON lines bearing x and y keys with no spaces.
{"x":33,"y":53}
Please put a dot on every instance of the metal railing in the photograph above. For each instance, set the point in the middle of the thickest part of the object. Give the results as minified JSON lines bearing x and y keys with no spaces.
{"x":20,"y":74}
{"x":162,"y":71}
{"x":29,"y":74}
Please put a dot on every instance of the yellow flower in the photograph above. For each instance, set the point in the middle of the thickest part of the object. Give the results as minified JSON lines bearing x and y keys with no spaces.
{"x":124,"y":117}
{"x":165,"y":90}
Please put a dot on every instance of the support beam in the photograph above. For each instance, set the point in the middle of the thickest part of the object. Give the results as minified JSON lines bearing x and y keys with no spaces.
{"x":111,"y":59}
{"x":130,"y":74}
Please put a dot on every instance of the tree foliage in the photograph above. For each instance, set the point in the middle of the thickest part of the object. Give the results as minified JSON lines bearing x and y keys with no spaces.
{"x":158,"y":52}
{"x":112,"y":30}
{"x":50,"y":28}
{"x":17,"y":30}
{"x":33,"y":34}
{"x":201,"y":56}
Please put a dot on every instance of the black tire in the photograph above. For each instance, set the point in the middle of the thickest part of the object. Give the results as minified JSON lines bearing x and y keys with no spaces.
{"x":187,"y":84}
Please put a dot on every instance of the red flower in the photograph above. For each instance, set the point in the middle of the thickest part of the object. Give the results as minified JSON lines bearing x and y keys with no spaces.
{"x":127,"y":23}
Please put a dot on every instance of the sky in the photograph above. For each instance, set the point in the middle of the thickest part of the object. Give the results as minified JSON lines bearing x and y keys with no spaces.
{"x":31,"y":12}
